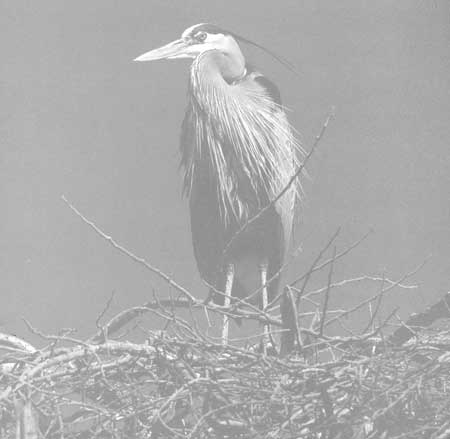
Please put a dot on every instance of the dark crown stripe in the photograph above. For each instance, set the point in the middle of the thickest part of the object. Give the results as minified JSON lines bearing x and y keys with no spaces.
{"x":209,"y":28}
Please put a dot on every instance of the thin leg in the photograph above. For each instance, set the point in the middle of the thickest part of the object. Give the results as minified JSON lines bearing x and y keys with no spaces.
{"x":264,"y":303}
{"x":226,"y":301}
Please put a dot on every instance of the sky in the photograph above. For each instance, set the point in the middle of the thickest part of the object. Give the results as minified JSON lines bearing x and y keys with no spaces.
{"x":79,"y":118}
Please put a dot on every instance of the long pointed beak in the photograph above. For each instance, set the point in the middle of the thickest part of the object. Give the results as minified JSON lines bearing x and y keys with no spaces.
{"x":175,"y":49}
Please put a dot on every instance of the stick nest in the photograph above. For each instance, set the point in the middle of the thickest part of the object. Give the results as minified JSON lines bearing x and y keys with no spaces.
{"x":180,"y":383}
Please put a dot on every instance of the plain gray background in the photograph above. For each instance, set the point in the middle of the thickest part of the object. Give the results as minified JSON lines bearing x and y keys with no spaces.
{"x":78,"y":117}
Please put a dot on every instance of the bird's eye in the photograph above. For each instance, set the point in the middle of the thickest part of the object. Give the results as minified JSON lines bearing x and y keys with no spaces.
{"x":201,"y":36}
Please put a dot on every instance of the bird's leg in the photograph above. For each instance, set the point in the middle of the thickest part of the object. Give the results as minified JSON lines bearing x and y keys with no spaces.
{"x":265,"y":301}
{"x":229,"y":276}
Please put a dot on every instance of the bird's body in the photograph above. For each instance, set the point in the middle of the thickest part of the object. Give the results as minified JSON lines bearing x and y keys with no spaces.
{"x":228,"y":183}
{"x":238,"y":154}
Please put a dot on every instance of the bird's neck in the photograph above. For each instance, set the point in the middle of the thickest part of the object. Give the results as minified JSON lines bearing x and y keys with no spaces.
{"x":232,"y":67}
{"x":217,"y":68}
{"x":212,"y":83}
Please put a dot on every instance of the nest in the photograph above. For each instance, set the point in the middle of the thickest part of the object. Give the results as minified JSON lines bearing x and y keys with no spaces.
{"x":181,"y":383}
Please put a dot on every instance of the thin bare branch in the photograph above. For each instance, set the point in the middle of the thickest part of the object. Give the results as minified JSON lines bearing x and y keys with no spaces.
{"x":327,"y":294}
{"x":130,"y":254}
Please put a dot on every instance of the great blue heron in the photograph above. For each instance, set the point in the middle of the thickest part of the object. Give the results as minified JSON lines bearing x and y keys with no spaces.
{"x":238,"y":153}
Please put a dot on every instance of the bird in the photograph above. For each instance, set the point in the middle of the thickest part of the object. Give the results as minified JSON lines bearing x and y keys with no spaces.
{"x":238,"y":153}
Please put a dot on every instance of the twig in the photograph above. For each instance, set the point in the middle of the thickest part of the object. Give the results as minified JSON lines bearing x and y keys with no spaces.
{"x":384,"y":291}
{"x":327,"y":262}
{"x":104,"y":311}
{"x":327,"y":295}
{"x":128,"y":253}
{"x":11,"y":342}
{"x":377,"y":307}
{"x":345,"y":282}
{"x":313,"y":266}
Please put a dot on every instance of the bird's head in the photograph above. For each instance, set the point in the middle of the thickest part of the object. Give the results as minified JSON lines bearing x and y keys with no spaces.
{"x":194,"y":41}
{"x":204,"y":37}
